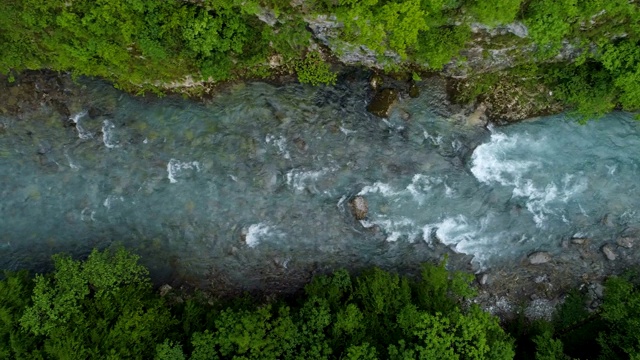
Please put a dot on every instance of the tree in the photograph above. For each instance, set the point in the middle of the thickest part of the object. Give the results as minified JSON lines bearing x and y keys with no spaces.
{"x":103,"y":307}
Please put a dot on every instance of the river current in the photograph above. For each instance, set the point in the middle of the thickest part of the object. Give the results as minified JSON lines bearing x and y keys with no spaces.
{"x":257,"y":181}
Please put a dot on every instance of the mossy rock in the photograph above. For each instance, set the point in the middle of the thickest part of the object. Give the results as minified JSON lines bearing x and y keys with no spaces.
{"x":382,"y":102}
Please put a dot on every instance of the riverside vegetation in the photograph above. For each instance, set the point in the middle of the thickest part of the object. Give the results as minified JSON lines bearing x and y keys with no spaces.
{"x":105,"y":307}
{"x":157,"y":44}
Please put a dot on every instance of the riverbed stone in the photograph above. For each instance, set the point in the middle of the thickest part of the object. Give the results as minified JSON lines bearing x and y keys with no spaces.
{"x":483,"y":279}
{"x":414,"y":91}
{"x":579,"y":241}
{"x":359,"y":207}
{"x":625,"y":242}
{"x":609,"y":252}
{"x":539,"y":257}
{"x":382,"y":102}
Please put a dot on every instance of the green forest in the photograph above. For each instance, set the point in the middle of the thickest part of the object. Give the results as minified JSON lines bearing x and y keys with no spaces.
{"x":147,"y":45}
{"x":106,"y":307}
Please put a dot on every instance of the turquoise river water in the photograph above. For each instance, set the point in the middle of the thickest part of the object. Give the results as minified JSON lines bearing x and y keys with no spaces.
{"x":257,"y":181}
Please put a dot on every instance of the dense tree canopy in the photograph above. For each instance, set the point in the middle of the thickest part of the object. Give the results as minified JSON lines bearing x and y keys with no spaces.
{"x":104,"y":307}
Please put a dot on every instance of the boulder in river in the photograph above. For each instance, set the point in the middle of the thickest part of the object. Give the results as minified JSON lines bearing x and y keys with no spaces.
{"x":539,"y":257}
{"x":359,"y":207}
{"x":625,"y":242}
{"x":608,"y":251}
{"x":382,"y":102}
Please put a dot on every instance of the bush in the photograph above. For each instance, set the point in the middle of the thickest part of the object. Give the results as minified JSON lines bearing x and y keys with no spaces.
{"x":313,"y":70}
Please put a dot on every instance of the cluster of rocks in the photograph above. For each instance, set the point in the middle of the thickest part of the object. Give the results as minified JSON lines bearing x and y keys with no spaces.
{"x":542,"y":279}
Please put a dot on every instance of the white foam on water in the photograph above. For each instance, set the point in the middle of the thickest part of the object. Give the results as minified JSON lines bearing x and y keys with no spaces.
{"x":426,"y":233}
{"x":435,"y":140}
{"x":301,"y":180}
{"x":281,"y":143}
{"x":87,"y":213}
{"x":347,"y":131}
{"x":176,"y":167}
{"x":380,"y":188}
{"x":453,"y":230}
{"x":490,"y":163}
{"x":466,"y":238}
{"x":456,"y":145}
{"x":72,"y":165}
{"x":573,"y":185}
{"x":110,"y":199}
{"x":418,"y":190}
{"x":82,"y":133}
{"x":420,"y":187}
{"x":255,"y":233}
{"x":107,"y":134}
{"x":448,"y":192}
{"x":394,"y":227}
{"x":340,"y":203}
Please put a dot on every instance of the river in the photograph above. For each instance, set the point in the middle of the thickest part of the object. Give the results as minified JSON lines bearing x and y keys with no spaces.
{"x":255,"y":182}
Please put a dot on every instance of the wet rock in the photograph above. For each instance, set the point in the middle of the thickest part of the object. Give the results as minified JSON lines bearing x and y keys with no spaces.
{"x":414,"y":91}
{"x":609,"y":252}
{"x":359,"y":207}
{"x":404,"y":115}
{"x":539,"y":257}
{"x":625,"y":242}
{"x":165,"y":289}
{"x":300,"y":144}
{"x":43,"y":148}
{"x":579,"y":241}
{"x":375,"y":82}
{"x":596,"y":291}
{"x":61,"y":108}
{"x":607,"y":221}
{"x":483,"y":279}
{"x":382,"y":102}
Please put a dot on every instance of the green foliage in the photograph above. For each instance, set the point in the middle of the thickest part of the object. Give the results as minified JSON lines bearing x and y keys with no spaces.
{"x":104,"y":305}
{"x":313,"y":70}
{"x":389,"y":25}
{"x":550,"y":22}
{"x":621,"y":312}
{"x":494,"y":12}
{"x":15,"y":297}
{"x":438,"y":46}
{"x":548,"y":348}
{"x":169,"y":351}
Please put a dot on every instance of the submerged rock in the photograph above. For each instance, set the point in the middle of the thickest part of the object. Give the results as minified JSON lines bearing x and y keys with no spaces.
{"x":579,"y":241}
{"x":539,"y":257}
{"x":359,"y":207}
{"x":626,"y":242}
{"x":382,"y":102}
{"x":609,"y":252}
{"x":414,"y":91}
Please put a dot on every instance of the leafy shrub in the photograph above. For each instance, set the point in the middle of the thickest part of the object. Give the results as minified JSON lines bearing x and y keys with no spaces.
{"x":314,"y":70}
{"x":104,"y":305}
